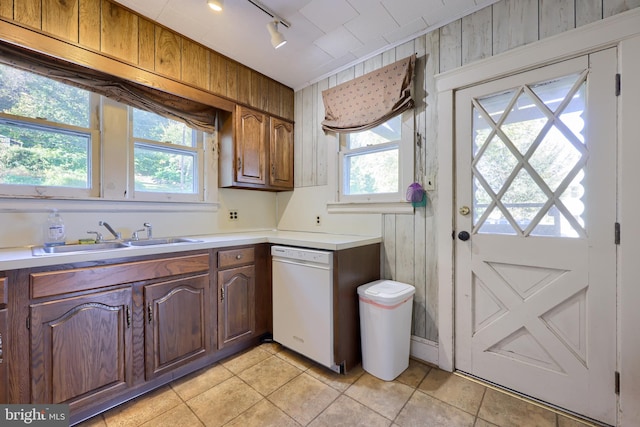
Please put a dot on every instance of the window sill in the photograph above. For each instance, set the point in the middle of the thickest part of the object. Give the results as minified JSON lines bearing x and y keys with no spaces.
{"x":370,"y":207}
{"x":102,"y":205}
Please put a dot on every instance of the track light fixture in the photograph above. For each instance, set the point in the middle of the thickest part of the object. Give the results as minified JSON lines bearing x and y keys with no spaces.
{"x":277,"y":39}
{"x":215,"y":4}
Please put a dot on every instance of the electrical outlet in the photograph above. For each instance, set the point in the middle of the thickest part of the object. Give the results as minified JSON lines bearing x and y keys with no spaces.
{"x":317,"y":219}
{"x":430,"y":182}
{"x":233,"y":215}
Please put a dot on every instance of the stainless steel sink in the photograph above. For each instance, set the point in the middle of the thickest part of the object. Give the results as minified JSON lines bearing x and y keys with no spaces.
{"x":163,"y":241}
{"x":64,"y":249}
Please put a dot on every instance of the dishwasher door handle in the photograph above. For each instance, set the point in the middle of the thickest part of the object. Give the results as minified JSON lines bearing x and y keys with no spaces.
{"x":302,"y":263}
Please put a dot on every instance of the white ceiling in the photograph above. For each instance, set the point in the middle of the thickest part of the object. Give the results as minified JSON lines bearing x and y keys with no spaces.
{"x":325,"y":36}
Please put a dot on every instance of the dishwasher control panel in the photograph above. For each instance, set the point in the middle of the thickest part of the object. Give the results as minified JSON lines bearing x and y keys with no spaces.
{"x":302,"y":254}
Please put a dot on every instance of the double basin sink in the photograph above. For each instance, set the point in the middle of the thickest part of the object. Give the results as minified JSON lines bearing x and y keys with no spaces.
{"x":90,"y":247}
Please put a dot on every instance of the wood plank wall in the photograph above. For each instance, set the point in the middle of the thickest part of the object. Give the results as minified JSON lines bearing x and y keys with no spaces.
{"x":410,"y":240}
{"x":107,"y":28}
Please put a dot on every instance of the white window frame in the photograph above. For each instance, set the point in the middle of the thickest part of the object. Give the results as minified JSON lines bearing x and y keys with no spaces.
{"x":199,"y":166}
{"x":374,"y":203}
{"x":111,"y":165}
{"x":93,"y":157}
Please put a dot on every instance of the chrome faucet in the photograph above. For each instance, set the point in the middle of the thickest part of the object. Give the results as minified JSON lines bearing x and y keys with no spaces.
{"x":147,"y":227}
{"x":135,"y":236}
{"x":116,"y":234}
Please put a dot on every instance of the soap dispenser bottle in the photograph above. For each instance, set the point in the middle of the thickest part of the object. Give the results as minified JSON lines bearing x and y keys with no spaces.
{"x":54,"y":233}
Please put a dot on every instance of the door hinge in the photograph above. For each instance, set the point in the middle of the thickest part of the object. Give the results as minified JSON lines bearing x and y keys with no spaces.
{"x":618,"y":84}
{"x":617,"y":382}
{"x":221,"y":294}
{"x":28,"y":322}
{"x":616,"y":237}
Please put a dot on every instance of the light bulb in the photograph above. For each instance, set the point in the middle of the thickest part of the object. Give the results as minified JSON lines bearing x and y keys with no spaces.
{"x":215,"y":4}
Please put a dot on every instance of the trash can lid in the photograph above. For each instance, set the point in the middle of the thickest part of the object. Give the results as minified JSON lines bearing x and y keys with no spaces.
{"x":387,"y":292}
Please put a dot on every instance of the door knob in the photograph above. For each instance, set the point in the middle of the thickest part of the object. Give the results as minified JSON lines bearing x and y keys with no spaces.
{"x":464,"y":236}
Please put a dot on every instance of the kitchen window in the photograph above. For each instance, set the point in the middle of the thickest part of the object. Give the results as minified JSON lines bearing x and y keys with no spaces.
{"x":48,"y":137}
{"x":167,"y":157}
{"x":375,"y":167}
{"x":61,"y":141}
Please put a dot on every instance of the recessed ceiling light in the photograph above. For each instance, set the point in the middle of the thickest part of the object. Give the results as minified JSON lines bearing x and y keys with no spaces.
{"x":215,"y":4}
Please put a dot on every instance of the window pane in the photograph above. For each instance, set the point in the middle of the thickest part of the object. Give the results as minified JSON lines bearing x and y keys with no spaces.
{"x":161,"y":170}
{"x":534,"y":191}
{"x":371,"y":173}
{"x":31,"y":155}
{"x":386,"y":132}
{"x":147,"y":125}
{"x":30,"y":95}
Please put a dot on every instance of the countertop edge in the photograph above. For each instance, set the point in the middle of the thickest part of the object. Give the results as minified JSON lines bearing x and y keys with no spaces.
{"x":17,"y":258}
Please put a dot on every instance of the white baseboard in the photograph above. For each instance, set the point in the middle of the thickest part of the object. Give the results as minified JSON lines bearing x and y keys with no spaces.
{"x":424,"y":350}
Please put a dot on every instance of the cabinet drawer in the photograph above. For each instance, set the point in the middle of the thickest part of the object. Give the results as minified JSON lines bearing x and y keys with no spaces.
{"x":47,"y":284}
{"x":233,"y":257}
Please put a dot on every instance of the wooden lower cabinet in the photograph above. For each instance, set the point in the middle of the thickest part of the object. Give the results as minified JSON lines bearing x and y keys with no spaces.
{"x":176,"y":325}
{"x":81,"y":348}
{"x":98,"y":334}
{"x":236,"y":306}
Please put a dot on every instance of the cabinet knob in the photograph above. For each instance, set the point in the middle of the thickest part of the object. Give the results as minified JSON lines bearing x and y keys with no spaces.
{"x":238,"y":256}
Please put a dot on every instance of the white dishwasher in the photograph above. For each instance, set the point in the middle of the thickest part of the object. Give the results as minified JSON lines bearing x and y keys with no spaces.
{"x":303,"y":302}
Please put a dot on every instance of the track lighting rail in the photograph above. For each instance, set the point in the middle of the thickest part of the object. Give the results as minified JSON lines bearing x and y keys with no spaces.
{"x":269,"y":12}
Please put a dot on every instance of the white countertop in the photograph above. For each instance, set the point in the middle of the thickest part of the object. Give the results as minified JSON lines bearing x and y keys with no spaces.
{"x":22,"y":257}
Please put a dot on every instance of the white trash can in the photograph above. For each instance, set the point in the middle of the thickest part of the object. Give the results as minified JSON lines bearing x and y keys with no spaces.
{"x":385,"y":327}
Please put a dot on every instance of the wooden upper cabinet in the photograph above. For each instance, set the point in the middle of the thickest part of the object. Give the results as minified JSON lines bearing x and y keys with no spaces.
{"x":281,"y":154}
{"x":176,"y":323}
{"x":258,"y":153}
{"x":81,"y":348}
{"x":251,"y":146}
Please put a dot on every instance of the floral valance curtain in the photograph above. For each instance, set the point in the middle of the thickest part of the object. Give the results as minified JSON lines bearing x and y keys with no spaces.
{"x":370,"y":100}
{"x":194,"y":114}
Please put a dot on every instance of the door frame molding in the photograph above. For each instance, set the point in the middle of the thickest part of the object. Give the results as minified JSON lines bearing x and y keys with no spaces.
{"x":619,"y":31}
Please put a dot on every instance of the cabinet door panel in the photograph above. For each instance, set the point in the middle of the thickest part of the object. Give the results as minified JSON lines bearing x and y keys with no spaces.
{"x":281,"y":142}
{"x":81,"y":347}
{"x":236,"y":307}
{"x":175,"y":323}
{"x":251,"y":149}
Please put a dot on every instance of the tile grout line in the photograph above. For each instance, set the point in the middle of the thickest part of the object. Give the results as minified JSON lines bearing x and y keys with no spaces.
{"x":534,"y":402}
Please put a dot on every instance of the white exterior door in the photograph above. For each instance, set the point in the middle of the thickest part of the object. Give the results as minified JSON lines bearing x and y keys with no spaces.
{"x":535,"y":277}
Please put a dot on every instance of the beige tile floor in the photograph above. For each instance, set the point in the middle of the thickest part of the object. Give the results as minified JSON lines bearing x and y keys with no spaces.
{"x":272,"y":386}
